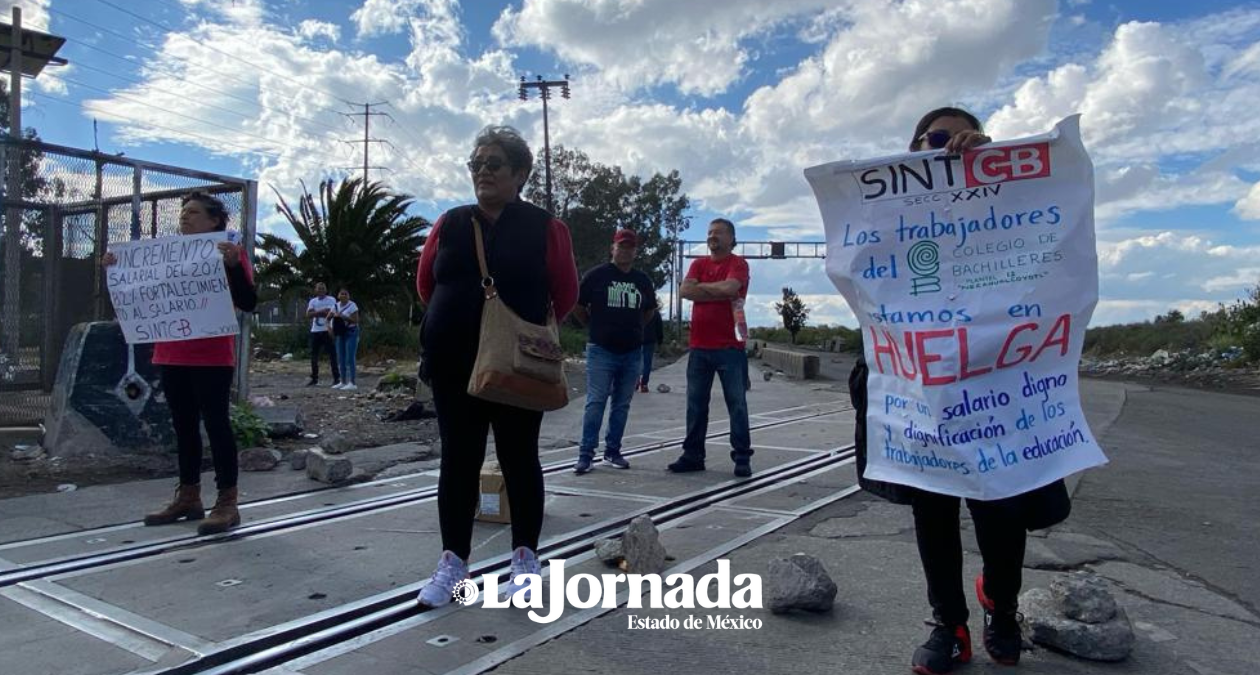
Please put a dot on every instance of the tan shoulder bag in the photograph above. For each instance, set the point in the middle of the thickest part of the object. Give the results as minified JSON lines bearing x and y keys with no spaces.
{"x":518,"y":363}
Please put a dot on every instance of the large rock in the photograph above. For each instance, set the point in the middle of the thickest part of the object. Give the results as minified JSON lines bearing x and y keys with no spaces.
{"x":327,"y":468}
{"x":641,"y":547}
{"x":609,"y":552}
{"x":1046,"y":624}
{"x":1084,"y":598}
{"x":258,"y":459}
{"x":799,"y":582}
{"x":297,"y":459}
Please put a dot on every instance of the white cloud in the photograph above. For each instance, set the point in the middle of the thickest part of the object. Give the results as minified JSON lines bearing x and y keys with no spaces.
{"x":694,"y":46}
{"x":312,"y":29}
{"x":1249,"y":206}
{"x":34,"y":13}
{"x":383,"y":17}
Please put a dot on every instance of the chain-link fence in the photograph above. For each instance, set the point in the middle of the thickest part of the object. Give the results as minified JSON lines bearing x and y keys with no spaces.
{"x":60,"y":209}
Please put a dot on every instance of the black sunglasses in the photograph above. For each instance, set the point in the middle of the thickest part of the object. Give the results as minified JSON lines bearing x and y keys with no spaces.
{"x":494,"y":164}
{"x":937,"y":138}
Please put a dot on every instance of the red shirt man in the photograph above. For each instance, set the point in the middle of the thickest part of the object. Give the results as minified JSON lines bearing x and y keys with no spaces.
{"x":716,"y":286}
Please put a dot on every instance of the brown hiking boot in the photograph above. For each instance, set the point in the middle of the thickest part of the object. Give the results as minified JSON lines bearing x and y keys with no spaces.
{"x":187,"y":504}
{"x":223,"y":516}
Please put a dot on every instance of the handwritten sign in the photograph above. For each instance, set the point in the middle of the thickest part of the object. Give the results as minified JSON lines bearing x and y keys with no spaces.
{"x":170,"y":289}
{"x":973,"y":278}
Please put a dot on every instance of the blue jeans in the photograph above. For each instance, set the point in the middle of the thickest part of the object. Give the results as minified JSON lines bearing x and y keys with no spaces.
{"x":649,"y":349}
{"x":347,"y":345}
{"x":730,"y":365}
{"x":607,"y":374}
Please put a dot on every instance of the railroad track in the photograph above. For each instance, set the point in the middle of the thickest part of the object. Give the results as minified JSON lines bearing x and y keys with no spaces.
{"x":284,"y":643}
{"x":126,"y":553}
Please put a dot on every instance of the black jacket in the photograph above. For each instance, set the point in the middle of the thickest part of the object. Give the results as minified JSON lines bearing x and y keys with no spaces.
{"x":1043,"y":507}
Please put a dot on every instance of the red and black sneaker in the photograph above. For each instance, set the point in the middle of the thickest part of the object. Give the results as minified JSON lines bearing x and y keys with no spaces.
{"x":1002,"y":637}
{"x":948,"y":646}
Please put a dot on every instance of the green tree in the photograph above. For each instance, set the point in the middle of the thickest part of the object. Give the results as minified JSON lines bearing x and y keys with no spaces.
{"x":356,"y":236}
{"x":594,"y":200}
{"x":793,"y":311}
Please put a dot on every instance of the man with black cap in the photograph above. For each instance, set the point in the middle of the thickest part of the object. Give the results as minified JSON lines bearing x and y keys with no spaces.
{"x":615,"y":300}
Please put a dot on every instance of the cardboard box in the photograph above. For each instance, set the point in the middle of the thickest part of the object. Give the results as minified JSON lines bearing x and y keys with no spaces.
{"x":493,"y":507}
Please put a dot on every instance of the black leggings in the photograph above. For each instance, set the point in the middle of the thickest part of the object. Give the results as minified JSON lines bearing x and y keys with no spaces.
{"x":463,"y":423}
{"x":1000,"y":535}
{"x":196,"y":394}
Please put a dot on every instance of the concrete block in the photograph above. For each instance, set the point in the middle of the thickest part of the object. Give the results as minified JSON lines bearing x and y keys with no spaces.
{"x":282,"y":421}
{"x":100,"y":406}
{"x":794,"y":364}
{"x":327,"y":468}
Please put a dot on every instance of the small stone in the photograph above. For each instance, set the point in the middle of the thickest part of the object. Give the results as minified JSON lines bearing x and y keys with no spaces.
{"x":641,"y":547}
{"x":297,"y":459}
{"x":258,"y":459}
{"x":662,"y":388}
{"x":609,"y":551}
{"x":327,"y":468}
{"x":1084,"y":598}
{"x":799,"y":582}
{"x":1045,"y":623}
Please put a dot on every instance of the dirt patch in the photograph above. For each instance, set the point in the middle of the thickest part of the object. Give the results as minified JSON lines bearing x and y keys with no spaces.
{"x":358,"y":416}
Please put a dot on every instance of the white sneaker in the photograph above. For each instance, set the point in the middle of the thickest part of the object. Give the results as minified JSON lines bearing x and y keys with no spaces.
{"x":523,"y":562}
{"x":349,"y":387}
{"x":337,"y":386}
{"x":441,"y":587}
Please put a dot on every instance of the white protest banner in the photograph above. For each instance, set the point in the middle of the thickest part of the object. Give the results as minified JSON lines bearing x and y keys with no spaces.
{"x":170,"y":289}
{"x":973,"y":278}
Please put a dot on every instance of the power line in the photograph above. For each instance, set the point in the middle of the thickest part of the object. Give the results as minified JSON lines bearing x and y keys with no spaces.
{"x":165,"y":110}
{"x":208,"y":139}
{"x":367,"y":142}
{"x":200,"y":104}
{"x":168,"y":29}
{"x":158,"y":50}
{"x":226,"y":94}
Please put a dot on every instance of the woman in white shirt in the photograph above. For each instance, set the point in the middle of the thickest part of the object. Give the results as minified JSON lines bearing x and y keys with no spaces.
{"x":345,"y":327}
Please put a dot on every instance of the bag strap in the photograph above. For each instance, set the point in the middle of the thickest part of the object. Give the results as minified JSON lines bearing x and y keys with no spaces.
{"x":487,"y":281}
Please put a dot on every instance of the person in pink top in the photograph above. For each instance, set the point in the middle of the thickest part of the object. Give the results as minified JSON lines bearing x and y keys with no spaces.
{"x":197,"y":380}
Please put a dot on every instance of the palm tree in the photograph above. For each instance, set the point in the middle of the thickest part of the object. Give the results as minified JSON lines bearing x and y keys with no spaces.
{"x":358,"y":236}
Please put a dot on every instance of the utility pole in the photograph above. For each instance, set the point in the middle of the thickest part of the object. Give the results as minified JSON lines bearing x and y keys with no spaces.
{"x":367,"y":116}
{"x":544,"y":92}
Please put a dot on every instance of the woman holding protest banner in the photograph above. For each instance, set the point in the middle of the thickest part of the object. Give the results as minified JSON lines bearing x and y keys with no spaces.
{"x":345,"y":330}
{"x":528,"y":257}
{"x":197,"y":382}
{"x":1001,"y":525}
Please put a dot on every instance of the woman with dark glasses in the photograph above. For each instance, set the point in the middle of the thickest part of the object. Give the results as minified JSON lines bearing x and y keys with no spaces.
{"x":531,"y":257}
{"x":1001,"y":525}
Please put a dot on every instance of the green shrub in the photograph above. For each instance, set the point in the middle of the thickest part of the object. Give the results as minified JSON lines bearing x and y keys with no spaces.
{"x":249,"y":429}
{"x":811,"y":336}
{"x":389,"y":340}
{"x":572,"y":340}
{"x":283,"y":339}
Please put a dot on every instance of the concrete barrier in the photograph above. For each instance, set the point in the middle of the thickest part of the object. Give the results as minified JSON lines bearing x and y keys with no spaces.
{"x":793,"y":364}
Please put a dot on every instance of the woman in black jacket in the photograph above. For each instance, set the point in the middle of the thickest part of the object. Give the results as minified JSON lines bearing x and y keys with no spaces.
{"x":1001,"y":525}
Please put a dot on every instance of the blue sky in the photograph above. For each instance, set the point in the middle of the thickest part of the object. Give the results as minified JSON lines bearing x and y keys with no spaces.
{"x":739,"y":97}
